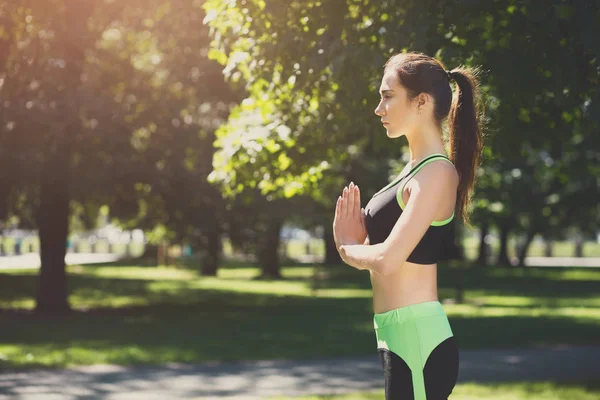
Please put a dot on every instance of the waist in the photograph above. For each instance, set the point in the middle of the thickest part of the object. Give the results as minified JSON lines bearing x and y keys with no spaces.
{"x":407,"y":313}
{"x":409,"y":285}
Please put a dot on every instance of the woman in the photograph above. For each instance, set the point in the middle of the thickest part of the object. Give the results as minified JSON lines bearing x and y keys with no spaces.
{"x":399,"y":235}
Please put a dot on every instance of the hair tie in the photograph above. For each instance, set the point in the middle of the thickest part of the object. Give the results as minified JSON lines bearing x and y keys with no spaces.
{"x":449,"y":75}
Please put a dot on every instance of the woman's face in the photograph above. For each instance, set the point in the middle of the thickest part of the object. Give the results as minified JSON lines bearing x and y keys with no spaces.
{"x":395,"y":110}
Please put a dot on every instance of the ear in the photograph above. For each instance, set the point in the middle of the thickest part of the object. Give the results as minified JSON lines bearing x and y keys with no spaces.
{"x":420,"y":101}
{"x":423,"y":99}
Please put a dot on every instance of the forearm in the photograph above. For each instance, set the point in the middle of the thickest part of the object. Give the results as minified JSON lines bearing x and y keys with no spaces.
{"x":363,"y":257}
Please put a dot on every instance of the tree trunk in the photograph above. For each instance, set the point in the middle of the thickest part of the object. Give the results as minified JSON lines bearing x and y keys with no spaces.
{"x":151,"y":252}
{"x":482,"y":258}
{"x":53,"y":213}
{"x":268,"y":253}
{"x":548,"y":248}
{"x":331,"y":254}
{"x":522,"y":251}
{"x":578,"y":248}
{"x":503,"y":259}
{"x":53,"y":218}
{"x":212,"y":251}
{"x":460,"y":283}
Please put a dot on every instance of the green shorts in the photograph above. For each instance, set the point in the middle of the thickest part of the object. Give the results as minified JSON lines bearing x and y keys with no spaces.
{"x":418,"y":352}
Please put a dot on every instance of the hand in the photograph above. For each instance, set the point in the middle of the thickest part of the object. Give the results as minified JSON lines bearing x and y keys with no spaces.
{"x":349,"y":221}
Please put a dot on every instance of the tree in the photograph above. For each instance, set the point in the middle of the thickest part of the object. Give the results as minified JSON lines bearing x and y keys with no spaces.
{"x":85,"y":122}
{"x":298,"y":63}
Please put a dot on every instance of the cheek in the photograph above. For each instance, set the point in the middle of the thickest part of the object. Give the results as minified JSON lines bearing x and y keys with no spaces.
{"x":386,"y":106}
{"x":394,"y":109}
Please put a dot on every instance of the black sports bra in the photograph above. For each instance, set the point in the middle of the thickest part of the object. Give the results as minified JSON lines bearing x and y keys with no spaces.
{"x":386,"y":206}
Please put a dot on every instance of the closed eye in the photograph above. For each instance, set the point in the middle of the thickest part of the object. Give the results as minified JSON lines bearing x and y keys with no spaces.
{"x":385,"y":94}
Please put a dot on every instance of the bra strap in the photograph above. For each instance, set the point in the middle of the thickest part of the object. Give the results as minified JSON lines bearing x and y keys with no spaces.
{"x":414,"y":171}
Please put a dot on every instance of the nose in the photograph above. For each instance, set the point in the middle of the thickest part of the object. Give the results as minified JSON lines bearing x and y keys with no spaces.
{"x":379,"y":110}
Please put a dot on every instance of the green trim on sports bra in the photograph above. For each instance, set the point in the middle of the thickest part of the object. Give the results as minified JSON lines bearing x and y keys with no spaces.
{"x":410,"y":175}
{"x":413,"y":169}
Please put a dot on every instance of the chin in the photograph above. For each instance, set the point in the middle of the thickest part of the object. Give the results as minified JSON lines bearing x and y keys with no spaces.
{"x":393,"y":135}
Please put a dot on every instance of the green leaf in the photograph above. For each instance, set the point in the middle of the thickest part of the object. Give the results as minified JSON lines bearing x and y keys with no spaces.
{"x":218,"y":55}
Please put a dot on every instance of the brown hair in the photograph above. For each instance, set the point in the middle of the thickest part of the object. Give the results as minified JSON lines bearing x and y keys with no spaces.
{"x":419,"y":73}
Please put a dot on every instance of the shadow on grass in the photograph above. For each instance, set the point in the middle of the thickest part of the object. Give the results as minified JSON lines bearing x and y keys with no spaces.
{"x":248,"y":326}
{"x":186,"y":324}
{"x":491,"y":280}
{"x":546,"y":286}
{"x":92,"y":288}
{"x":590,"y":386}
{"x":127,"y":262}
{"x":195,"y":264}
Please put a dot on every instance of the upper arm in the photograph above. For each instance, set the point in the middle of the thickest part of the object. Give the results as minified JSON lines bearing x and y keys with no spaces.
{"x":430,"y":188}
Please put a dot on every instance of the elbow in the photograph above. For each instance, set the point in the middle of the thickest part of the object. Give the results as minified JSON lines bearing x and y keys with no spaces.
{"x":384,"y":268}
{"x":383,"y":264}
{"x":387,"y":261}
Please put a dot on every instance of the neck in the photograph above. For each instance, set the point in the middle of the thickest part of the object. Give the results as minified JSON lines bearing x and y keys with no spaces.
{"x":424,"y":143}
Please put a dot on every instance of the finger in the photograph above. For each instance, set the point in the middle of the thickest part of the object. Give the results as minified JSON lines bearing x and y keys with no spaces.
{"x":357,"y":213}
{"x":336,"y":219}
{"x":351,"y":198}
{"x":345,"y":202}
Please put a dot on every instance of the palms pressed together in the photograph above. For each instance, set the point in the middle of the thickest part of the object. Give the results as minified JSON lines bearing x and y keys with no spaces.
{"x":349,"y":222}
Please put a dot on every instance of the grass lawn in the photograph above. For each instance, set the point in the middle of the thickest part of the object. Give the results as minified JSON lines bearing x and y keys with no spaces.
{"x":298,"y":247}
{"x":139,"y":314}
{"x":499,"y":391}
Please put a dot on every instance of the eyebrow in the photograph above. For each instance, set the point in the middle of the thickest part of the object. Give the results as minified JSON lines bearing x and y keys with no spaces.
{"x":382,"y":92}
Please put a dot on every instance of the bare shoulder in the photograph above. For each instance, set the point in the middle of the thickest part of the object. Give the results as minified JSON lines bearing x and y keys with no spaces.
{"x":440,"y":174}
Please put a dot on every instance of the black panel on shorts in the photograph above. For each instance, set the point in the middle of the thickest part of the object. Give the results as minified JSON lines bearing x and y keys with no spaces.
{"x":398,"y":377}
{"x":441,"y":370}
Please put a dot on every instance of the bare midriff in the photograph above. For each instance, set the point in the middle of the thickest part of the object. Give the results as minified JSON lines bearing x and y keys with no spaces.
{"x":410,"y":284}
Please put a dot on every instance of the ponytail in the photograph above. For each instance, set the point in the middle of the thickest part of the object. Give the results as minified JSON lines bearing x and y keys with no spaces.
{"x":419,"y":73}
{"x":466,"y":141}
